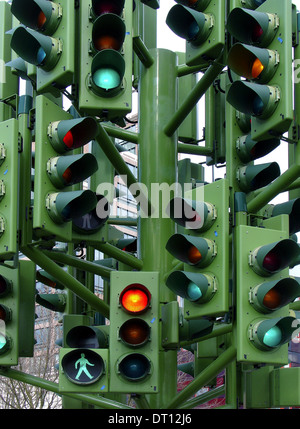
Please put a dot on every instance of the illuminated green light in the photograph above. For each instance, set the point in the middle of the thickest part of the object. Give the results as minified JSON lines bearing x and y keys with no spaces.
{"x":272,"y":337}
{"x":3,"y":341}
{"x":107,"y":78}
{"x":194,"y":292}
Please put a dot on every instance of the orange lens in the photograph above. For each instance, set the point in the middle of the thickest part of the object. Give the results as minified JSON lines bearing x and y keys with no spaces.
{"x":272,"y":299}
{"x":41,"y":20}
{"x":135,"y":300}
{"x":194,"y":256}
{"x":135,"y":332}
{"x":106,"y":42}
{"x":257,"y":68}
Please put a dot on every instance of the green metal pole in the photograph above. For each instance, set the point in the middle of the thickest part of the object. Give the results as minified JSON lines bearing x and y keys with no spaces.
{"x":97,"y":401}
{"x":274,"y":189}
{"x":204,"y":377}
{"x":66,"y":279}
{"x":120,"y":255}
{"x":158,"y":165}
{"x":121,"y":134}
{"x":80,"y":264}
{"x":192,"y":99}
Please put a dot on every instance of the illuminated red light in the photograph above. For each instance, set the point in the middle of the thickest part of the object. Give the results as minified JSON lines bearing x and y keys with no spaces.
{"x":135,"y":299}
{"x":68,"y":139}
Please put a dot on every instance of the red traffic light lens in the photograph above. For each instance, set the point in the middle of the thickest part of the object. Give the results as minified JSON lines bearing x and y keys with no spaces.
{"x":272,"y":262}
{"x":68,"y":139}
{"x":257,"y":33}
{"x":107,"y":6}
{"x":135,"y":298}
{"x":272,"y":299}
{"x":134,"y":332}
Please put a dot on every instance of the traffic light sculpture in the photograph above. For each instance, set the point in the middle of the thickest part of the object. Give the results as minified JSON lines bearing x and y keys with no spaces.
{"x":46,"y":39}
{"x":263,"y":56}
{"x":9,"y":188}
{"x":264,"y":292}
{"x":9,"y":315}
{"x":134,"y":332}
{"x":84,"y":357}
{"x":202,"y":24}
{"x":105,"y":78}
{"x":55,"y":205}
{"x":204,"y":250}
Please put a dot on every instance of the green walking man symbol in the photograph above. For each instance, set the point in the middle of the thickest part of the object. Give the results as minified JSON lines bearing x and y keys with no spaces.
{"x":83,"y":362}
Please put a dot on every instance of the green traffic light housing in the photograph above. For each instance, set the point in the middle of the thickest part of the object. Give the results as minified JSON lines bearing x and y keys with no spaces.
{"x":39,"y":15}
{"x":252,"y":177}
{"x":249,"y":150}
{"x":35,"y":48}
{"x":252,"y":27}
{"x":270,"y":334}
{"x":195,"y":287}
{"x":254,"y":99}
{"x":194,"y":251}
{"x":271,"y":296}
{"x":274,"y":257}
{"x":65,"y":206}
{"x":291,"y":208}
{"x":191,"y":214}
{"x":107,"y":73}
{"x":189,"y":24}
{"x":52,"y":301}
{"x":256,"y":64}
{"x":100,"y":7}
{"x":69,"y":170}
{"x":45,"y":278}
{"x":199,"y":5}
{"x":109,"y":32}
{"x":71,"y":134}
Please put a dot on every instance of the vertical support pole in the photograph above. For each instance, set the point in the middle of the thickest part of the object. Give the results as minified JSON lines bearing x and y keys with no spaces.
{"x":158,"y":165}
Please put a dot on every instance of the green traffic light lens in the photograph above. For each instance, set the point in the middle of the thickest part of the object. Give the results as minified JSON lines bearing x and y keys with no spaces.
{"x":273,"y":337}
{"x":134,"y":367}
{"x":2,"y":342}
{"x":193,"y":30}
{"x":194,"y":292}
{"x":40,"y":56}
{"x":107,"y":79}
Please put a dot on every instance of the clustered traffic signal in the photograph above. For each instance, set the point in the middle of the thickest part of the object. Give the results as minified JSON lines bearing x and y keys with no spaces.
{"x":105,"y":77}
{"x":9,"y":188}
{"x":46,"y":39}
{"x":202,"y":24}
{"x":264,"y":322}
{"x":134,"y":332}
{"x":84,"y":357}
{"x":262,"y":55}
{"x":9,"y":316}
{"x":203,"y":248}
{"x":55,"y":202}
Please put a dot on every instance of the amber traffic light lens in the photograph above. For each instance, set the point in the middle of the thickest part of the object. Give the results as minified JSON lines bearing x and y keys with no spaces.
{"x":194,"y":256}
{"x":134,"y":332}
{"x":257,"y":68}
{"x":272,"y":299}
